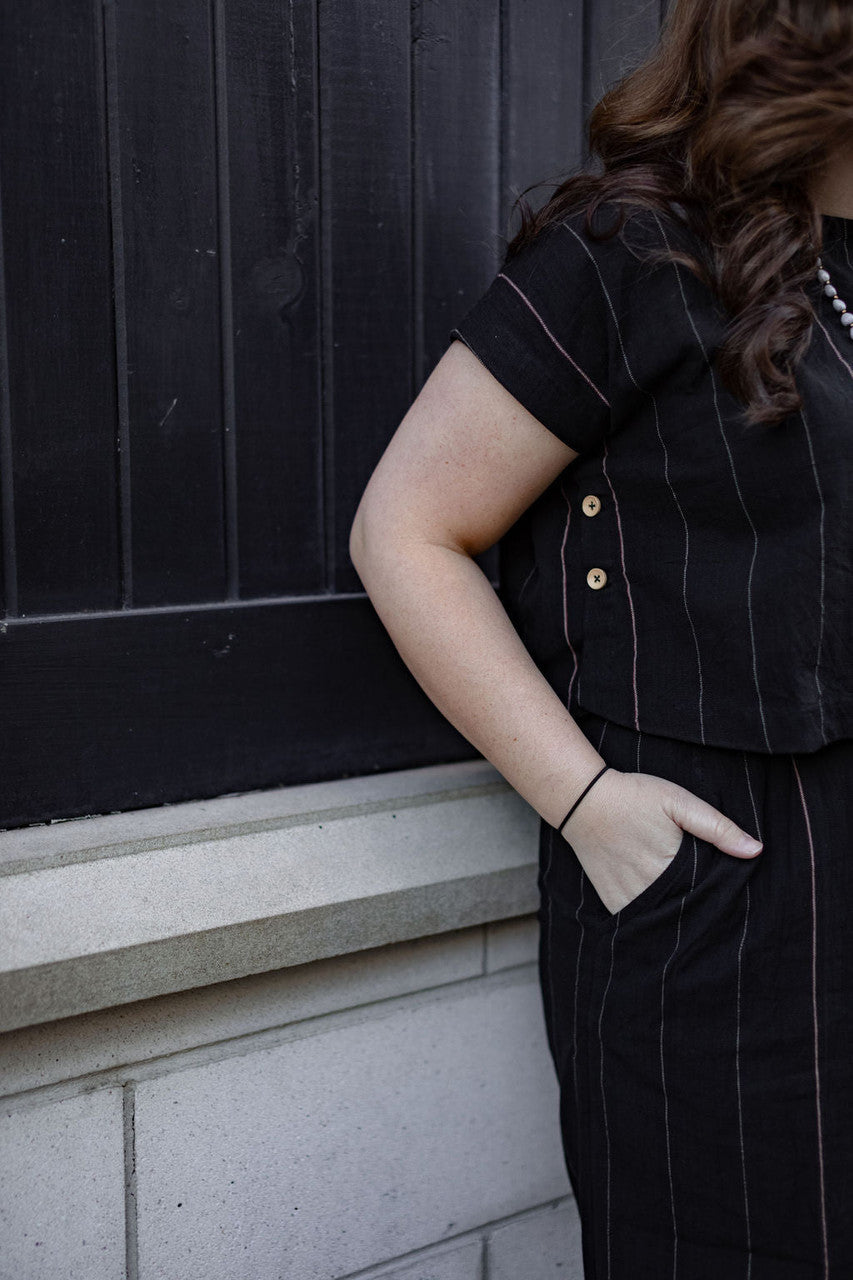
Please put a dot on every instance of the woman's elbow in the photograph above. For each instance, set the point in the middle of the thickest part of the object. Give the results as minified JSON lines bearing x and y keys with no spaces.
{"x":356,"y":539}
{"x":366,"y":535}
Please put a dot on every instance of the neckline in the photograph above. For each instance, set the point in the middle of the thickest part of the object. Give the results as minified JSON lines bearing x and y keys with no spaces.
{"x":836,"y":236}
{"x":836,"y":221}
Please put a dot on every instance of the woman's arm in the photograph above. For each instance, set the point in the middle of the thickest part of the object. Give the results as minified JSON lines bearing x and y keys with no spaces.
{"x":464,"y":463}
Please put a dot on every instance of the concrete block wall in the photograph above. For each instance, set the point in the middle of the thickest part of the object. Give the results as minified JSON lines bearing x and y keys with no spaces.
{"x":391,"y":1113}
{"x":388,"y":1111}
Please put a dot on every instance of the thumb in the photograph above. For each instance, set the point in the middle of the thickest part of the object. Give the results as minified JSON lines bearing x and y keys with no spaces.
{"x":708,"y":823}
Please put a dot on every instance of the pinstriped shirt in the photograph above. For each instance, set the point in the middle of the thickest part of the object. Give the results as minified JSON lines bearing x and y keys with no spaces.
{"x":687,"y":574}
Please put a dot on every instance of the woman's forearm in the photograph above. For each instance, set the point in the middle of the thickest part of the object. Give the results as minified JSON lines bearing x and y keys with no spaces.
{"x":454,"y":635}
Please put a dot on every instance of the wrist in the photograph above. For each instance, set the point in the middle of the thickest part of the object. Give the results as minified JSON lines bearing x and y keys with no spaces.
{"x":582,"y":795}
{"x":586,"y":807}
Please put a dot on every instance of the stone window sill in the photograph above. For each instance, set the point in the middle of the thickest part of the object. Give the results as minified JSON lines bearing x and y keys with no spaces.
{"x":101,"y":911}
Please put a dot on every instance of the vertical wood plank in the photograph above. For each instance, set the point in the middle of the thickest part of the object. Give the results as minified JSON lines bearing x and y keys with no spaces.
{"x":619,"y":34}
{"x":59,"y":411}
{"x":367,"y":233}
{"x":456,"y":124}
{"x":8,"y":567}
{"x":456,"y":141}
{"x":542,"y":94}
{"x":272,"y":124}
{"x":167,"y":121}
{"x":230,"y":514}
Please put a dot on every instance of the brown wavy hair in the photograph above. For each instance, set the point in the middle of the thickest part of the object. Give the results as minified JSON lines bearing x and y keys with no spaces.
{"x":733,"y":115}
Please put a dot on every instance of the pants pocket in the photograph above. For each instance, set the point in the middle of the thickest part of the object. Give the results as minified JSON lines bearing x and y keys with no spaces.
{"x":647,"y":899}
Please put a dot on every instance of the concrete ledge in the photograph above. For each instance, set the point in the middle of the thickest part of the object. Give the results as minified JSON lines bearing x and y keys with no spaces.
{"x":96,"y":912}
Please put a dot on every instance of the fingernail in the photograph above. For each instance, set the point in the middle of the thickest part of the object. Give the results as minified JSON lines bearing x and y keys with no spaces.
{"x":749,"y":845}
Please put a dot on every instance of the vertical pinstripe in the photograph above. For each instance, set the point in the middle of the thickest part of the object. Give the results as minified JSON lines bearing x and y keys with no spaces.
{"x":579,"y":922}
{"x":666,"y":1125}
{"x":822,"y":574}
{"x":545,"y":879}
{"x":565,"y":603}
{"x":603,"y":1099}
{"x":760,"y":835}
{"x":740,"y":1088}
{"x":651,"y":395}
{"x":815,"y":1020}
{"x":686,"y":538}
{"x":607,"y":477}
{"x":578,"y":970}
{"x":552,"y":835}
{"x":524,"y":584}
{"x":831,"y":342}
{"x":627,"y":585}
{"x":667,"y":1133}
{"x":743,"y":505}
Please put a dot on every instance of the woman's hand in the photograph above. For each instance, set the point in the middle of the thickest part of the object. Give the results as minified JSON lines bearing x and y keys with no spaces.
{"x":630,"y":825}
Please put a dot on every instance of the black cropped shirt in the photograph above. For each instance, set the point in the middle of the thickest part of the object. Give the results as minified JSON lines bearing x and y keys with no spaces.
{"x":687,"y":575}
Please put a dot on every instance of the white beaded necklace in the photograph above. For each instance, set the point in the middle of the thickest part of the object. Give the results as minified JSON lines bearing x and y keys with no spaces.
{"x":845,"y":316}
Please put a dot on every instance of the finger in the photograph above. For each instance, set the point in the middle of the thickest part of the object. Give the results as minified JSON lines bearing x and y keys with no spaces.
{"x":708,"y":823}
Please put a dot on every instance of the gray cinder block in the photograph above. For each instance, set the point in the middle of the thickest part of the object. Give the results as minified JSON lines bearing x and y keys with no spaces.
{"x":464,"y":1263}
{"x":62,"y":1190}
{"x":353,"y":1145}
{"x":540,"y":1246}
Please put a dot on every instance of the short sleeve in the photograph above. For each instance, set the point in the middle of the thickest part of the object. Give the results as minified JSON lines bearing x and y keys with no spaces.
{"x":541,"y":328}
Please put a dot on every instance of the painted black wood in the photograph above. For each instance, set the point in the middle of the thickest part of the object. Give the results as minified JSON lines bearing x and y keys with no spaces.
{"x":542,"y":125}
{"x":166,"y":123}
{"x":456,"y":165}
{"x":365,"y":99}
{"x":189,"y":703}
{"x":233,"y":239}
{"x":268,"y":101}
{"x":60,"y":512}
{"x":617,"y":34}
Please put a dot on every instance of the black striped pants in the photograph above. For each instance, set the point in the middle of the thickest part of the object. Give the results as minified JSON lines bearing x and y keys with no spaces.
{"x":703,"y":1035}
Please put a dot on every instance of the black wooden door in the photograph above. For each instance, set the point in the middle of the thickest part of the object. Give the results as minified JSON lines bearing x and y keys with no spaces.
{"x":235,"y":237}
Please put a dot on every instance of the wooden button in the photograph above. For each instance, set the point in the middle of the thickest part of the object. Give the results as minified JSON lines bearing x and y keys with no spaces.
{"x":591,"y":504}
{"x":596,"y":578}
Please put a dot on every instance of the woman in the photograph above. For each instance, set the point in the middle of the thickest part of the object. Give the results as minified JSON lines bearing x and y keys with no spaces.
{"x":654,"y":409}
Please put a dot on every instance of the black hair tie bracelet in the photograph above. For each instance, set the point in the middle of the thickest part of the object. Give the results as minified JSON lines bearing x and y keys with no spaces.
{"x":580,"y":797}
